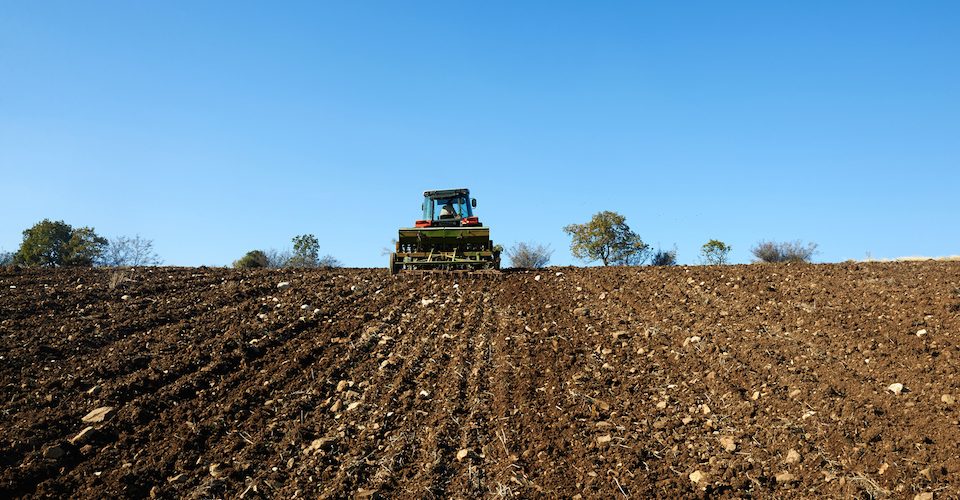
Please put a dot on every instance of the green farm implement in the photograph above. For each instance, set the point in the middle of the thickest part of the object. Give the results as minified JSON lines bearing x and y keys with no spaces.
{"x":448,"y":237}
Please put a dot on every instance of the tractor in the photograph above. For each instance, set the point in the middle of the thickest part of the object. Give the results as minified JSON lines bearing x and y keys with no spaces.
{"x":447,"y":237}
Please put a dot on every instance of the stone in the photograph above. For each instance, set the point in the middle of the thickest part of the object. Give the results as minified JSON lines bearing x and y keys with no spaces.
{"x":54,"y":452}
{"x":283,"y":285}
{"x":605,"y":439}
{"x":792,"y":457}
{"x":216,"y":470}
{"x":728,"y":443}
{"x":895,"y":388}
{"x":921,"y":333}
{"x":696,"y":477}
{"x":462,"y":454}
{"x":426,"y":302}
{"x":97,"y":415}
{"x":82,"y":436}
{"x":581,"y":311}
{"x":948,"y":399}
{"x":785,"y":477}
{"x":923,"y":496}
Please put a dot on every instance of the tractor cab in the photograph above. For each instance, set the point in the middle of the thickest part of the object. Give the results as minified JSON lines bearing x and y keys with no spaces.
{"x":448,"y":208}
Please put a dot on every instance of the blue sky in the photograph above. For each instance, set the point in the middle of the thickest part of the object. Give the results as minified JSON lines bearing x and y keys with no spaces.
{"x":214,"y":128}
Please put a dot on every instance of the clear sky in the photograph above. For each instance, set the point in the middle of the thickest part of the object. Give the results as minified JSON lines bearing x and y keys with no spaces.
{"x":214,"y":128}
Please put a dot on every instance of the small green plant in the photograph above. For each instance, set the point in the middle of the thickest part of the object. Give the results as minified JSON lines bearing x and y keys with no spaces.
{"x":252,"y":260}
{"x":715,"y":252}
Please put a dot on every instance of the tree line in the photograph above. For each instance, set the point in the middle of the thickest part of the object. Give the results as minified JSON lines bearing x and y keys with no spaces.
{"x":606,"y":238}
{"x":58,"y":244}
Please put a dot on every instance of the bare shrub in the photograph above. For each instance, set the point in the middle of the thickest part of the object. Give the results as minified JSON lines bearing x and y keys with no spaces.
{"x":788,"y":251}
{"x":529,"y":255}
{"x":664,"y":258}
{"x":277,"y":258}
{"x":329,"y":262}
{"x":126,"y":251}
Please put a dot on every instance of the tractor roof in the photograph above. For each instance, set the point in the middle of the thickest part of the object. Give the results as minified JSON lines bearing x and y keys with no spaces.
{"x":446,"y":193}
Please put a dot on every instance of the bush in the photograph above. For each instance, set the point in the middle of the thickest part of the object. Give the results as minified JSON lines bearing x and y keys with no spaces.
{"x":277,"y":258}
{"x":529,"y":255}
{"x":126,"y":251}
{"x":664,"y":258}
{"x":790,"y":251}
{"x":607,"y":238}
{"x":329,"y":262}
{"x":714,"y":252}
{"x":56,"y":243}
{"x":252,"y":260}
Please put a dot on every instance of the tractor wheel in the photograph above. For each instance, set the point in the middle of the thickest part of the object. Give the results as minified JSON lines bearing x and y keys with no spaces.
{"x":393,"y":264}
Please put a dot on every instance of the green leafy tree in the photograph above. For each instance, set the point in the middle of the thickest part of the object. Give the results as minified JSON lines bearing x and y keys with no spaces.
{"x":607,"y":238}
{"x":715,"y":252}
{"x":252,"y":260}
{"x":306,"y":251}
{"x":6,"y":258}
{"x":56,"y":243}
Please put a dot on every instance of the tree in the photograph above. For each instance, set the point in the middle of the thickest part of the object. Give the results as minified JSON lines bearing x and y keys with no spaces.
{"x":607,"y":238}
{"x":6,"y":258}
{"x":252,"y":260}
{"x":127,"y":251}
{"x":306,"y":251}
{"x":56,"y":243}
{"x":714,"y":252}
{"x":788,"y":251}
{"x":529,"y":255}
{"x":664,"y":258}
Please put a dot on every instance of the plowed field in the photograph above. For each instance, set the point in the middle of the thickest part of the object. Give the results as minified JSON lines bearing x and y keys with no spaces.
{"x":740,"y":381}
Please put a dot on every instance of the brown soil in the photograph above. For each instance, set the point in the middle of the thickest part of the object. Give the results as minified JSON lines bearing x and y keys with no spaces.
{"x":755,"y":380}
